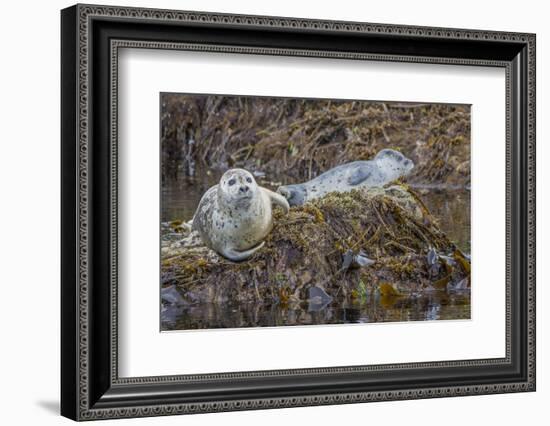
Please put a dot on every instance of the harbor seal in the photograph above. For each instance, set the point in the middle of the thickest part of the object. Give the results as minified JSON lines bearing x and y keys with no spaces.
{"x":234,"y":216}
{"x":386,"y":166}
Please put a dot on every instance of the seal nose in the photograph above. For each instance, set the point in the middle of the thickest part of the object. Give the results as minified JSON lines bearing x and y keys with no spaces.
{"x":243,"y":189}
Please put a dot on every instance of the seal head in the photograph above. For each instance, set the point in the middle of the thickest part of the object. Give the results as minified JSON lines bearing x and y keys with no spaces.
{"x":236,"y":189}
{"x":296,"y":195}
{"x":393,"y":163}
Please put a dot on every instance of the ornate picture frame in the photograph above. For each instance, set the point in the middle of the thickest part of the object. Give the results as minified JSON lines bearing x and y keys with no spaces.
{"x":91,"y":37}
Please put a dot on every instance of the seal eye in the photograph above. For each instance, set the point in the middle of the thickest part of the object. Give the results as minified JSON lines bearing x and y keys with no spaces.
{"x":231,"y":182}
{"x":249,"y":179}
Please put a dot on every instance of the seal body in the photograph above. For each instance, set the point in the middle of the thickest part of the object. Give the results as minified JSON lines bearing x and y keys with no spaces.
{"x":386,"y":166}
{"x":234,"y":216}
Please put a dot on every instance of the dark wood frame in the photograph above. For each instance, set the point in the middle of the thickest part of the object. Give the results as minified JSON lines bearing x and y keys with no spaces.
{"x":91,"y":37}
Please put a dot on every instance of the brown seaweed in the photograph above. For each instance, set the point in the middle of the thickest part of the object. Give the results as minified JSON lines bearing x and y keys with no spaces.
{"x":299,"y":138}
{"x":408,"y":253}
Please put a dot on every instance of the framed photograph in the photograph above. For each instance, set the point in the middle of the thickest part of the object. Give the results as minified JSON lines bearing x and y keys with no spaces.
{"x":263,"y":212}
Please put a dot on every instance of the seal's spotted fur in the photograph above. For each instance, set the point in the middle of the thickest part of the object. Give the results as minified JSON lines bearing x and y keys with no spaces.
{"x":234,"y":217}
{"x":386,"y":166}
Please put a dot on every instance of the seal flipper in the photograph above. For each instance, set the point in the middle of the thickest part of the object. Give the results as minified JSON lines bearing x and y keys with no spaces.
{"x":295,"y":195}
{"x":238,"y":256}
{"x":188,"y":226}
{"x":359,"y":174}
{"x":277,"y":199}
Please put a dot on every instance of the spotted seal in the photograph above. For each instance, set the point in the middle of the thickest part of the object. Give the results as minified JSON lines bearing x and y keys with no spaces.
{"x":385,"y":167}
{"x":234,"y":216}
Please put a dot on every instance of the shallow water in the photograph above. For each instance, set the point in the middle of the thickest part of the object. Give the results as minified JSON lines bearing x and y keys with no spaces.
{"x":450,"y":206}
{"x":436,"y":305}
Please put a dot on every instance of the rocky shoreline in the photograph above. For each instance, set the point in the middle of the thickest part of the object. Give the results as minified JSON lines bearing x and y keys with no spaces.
{"x":344,"y":247}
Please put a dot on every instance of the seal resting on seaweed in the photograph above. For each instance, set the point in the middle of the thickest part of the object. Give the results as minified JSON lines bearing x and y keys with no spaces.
{"x":385,"y":167}
{"x":234,"y":217}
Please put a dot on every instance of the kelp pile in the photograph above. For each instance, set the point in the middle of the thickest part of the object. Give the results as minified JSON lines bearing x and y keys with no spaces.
{"x":342,"y":247}
{"x":301,"y":138}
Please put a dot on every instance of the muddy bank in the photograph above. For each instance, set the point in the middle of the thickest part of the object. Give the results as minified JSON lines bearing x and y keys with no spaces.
{"x":300,"y":138}
{"x":342,"y":247}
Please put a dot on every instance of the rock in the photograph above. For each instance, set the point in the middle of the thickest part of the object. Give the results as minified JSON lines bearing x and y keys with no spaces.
{"x":432,"y":257}
{"x":170,"y":313}
{"x":318,"y":299}
{"x":351,"y":260}
{"x":361,"y":259}
{"x":459,"y":286}
{"x":171,"y":296}
{"x":347,"y":259}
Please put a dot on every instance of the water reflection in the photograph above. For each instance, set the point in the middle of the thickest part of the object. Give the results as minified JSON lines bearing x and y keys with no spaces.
{"x":180,"y":198}
{"x":451,"y":208}
{"x":436,"y":305}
